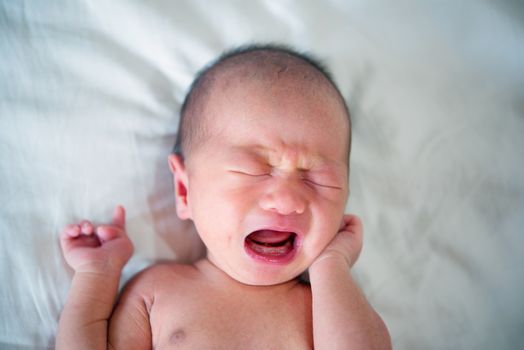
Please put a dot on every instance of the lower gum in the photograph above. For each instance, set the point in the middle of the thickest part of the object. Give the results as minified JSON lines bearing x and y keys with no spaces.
{"x":280,"y":251}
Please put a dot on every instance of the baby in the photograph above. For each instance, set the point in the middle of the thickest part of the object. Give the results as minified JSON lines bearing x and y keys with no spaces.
{"x":261,"y":166}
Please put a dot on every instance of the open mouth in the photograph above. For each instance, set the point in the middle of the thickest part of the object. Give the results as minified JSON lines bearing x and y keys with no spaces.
{"x":271,"y":246}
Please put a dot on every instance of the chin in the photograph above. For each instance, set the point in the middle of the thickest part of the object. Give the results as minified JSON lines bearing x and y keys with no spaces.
{"x":267,"y":276}
{"x":265,"y":281}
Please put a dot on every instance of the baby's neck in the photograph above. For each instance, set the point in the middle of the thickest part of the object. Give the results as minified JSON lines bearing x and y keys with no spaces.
{"x":212,"y":272}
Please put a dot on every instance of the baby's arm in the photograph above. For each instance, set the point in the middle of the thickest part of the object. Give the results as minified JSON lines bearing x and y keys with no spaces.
{"x":98,"y":256}
{"x":129,"y":327}
{"x":342,"y":317}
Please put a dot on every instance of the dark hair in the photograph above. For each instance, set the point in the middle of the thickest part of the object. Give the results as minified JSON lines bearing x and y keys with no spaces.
{"x":188,"y":128}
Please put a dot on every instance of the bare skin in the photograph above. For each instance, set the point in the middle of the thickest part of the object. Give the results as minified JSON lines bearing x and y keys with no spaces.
{"x":205,"y":308}
{"x":200,"y":306}
{"x":278,"y":160}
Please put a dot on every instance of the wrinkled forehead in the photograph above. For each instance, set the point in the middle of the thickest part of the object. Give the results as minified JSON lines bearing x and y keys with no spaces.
{"x":275,"y":109}
{"x":273,"y":96}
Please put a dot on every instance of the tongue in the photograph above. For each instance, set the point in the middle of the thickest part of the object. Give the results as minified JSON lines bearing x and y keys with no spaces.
{"x":269,"y":236}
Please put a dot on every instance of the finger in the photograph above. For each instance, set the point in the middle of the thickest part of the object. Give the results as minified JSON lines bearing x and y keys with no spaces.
{"x":347,"y":221}
{"x":86,"y":227}
{"x":71,"y":230}
{"x":119,"y":217}
{"x":352,"y":220}
{"x":68,"y":235}
{"x":107,"y":233}
{"x":67,"y":243}
{"x":353,"y":224}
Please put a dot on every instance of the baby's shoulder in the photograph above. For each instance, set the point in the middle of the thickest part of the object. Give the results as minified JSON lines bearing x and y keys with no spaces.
{"x":158,"y":279}
{"x":159,"y":273}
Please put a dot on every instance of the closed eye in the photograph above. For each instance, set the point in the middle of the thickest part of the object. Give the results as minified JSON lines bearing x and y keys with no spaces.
{"x":323,"y":185}
{"x":240,"y":172}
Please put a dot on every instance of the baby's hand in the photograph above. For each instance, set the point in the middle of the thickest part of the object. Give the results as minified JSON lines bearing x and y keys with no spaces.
{"x":102,"y":249}
{"x":347,"y":243}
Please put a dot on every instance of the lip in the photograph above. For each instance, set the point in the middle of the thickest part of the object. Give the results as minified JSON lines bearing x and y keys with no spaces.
{"x":275,"y":259}
{"x":281,"y":227}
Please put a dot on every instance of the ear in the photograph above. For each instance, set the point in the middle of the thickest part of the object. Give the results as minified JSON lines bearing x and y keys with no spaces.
{"x":180,"y":182}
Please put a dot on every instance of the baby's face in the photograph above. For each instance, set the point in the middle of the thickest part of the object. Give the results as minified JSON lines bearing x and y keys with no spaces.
{"x":267,"y":191}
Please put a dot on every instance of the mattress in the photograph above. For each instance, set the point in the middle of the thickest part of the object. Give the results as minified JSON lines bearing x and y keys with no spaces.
{"x":90,"y":93}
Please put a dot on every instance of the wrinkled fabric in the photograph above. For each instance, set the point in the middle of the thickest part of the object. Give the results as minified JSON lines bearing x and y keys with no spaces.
{"x":89,"y":100}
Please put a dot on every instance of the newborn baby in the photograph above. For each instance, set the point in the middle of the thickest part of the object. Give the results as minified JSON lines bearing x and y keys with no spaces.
{"x":261,"y":166}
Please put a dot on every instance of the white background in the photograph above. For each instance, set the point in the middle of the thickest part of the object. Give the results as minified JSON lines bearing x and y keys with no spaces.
{"x":89,"y":99}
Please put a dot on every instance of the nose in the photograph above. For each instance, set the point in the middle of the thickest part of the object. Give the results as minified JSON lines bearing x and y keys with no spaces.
{"x":285,"y":198}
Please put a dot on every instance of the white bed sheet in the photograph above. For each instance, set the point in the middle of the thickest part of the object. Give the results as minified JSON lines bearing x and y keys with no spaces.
{"x":89,"y":99}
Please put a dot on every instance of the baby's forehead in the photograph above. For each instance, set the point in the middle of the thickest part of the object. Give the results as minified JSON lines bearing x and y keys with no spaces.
{"x":281,"y":70}
{"x":288,"y":80}
{"x":276,"y":155}
{"x":255,"y":112}
{"x":288,"y":88}
{"x":268,"y":78}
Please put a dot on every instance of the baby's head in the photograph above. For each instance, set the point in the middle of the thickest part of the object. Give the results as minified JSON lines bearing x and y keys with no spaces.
{"x":261,"y":162}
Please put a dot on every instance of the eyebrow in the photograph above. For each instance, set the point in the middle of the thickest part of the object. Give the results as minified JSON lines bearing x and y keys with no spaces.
{"x":319,"y":162}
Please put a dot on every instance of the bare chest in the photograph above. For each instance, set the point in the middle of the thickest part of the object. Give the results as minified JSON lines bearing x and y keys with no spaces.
{"x":207,"y":320}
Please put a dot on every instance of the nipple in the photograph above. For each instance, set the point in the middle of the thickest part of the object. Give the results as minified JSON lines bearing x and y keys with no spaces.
{"x":177,"y":337}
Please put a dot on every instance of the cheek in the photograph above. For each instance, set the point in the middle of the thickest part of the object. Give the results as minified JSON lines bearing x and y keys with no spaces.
{"x":219,"y":206}
{"x":327,"y":217}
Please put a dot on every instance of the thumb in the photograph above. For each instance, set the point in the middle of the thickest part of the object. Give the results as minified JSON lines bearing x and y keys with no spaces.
{"x":119,"y":217}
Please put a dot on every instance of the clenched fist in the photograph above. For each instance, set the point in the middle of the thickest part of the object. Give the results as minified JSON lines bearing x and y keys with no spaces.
{"x":97,"y":249}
